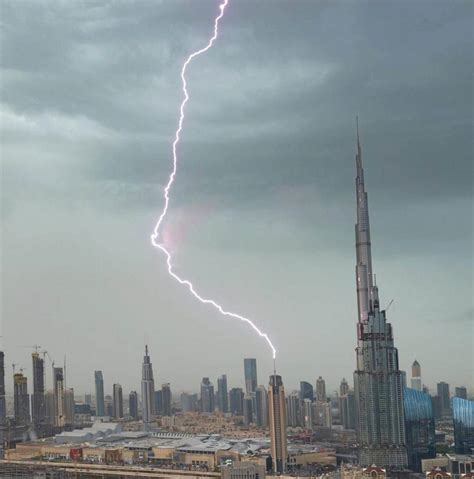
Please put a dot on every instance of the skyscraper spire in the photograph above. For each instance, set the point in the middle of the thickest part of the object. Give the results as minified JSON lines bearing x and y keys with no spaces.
{"x":366,"y":292}
{"x":378,"y":385}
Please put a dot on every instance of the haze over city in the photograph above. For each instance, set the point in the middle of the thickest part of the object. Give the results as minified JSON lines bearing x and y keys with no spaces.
{"x":263,"y":210}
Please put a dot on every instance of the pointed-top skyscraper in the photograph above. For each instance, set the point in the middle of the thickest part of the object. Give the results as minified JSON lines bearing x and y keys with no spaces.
{"x":377,"y":379}
{"x":277,"y":422}
{"x":148,"y":389}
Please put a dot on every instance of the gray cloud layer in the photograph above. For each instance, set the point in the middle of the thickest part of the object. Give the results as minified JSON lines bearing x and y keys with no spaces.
{"x":262,"y":213}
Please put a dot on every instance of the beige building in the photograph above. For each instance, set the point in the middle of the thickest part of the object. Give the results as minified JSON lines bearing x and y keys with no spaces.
{"x":277,"y":422}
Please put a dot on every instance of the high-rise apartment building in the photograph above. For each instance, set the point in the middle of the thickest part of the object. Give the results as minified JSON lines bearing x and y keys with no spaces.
{"x":3,"y":408}
{"x":323,"y":414}
{"x":419,"y":427}
{"x":58,"y":389}
{"x":148,"y":389}
{"x":293,"y":410}
{"x":416,"y":376}
{"x":444,"y":396}
{"x":248,"y":410}
{"x":37,"y":398}
{"x":21,"y":399}
{"x":236,"y":401}
{"x":222,"y":394}
{"x":306,"y":391}
{"x":207,"y":396}
{"x":250,"y":372}
{"x":99,"y":394}
{"x":343,"y":387}
{"x":277,"y":422}
{"x":321,"y":389}
{"x":308,"y":420}
{"x":166,"y":399}
{"x":347,"y":409}
{"x":460,"y":392}
{"x":117,"y":401}
{"x":378,"y":380}
{"x":261,"y":406}
{"x":133,"y":405}
{"x":69,"y":406}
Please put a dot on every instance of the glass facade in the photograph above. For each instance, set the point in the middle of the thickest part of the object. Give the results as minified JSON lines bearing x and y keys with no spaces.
{"x":419,"y":427}
{"x":463,"y":414}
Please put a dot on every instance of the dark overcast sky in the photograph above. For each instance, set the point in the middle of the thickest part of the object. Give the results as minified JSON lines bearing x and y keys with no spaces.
{"x":262,"y":213}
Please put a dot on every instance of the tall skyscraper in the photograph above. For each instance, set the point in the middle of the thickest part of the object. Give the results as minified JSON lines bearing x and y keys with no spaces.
{"x":277,"y":421}
{"x":166,"y":399}
{"x":261,"y":407}
{"x":347,"y":408}
{"x":343,"y":387}
{"x":321,"y":389}
{"x":37,"y":399}
{"x":419,"y":427}
{"x":443,"y":393}
{"x":3,"y":410}
{"x":416,"y":376}
{"x":148,"y":389}
{"x":248,"y":410}
{"x":189,"y":402}
{"x":133,"y":405}
{"x":117,"y":401}
{"x":58,"y":389}
{"x":21,"y":399}
{"x":306,"y":391}
{"x":69,"y":406}
{"x":99,"y":394}
{"x":293,"y":410}
{"x":236,"y":401}
{"x":250,"y":370}
{"x":222,"y":394}
{"x":460,"y":392}
{"x":307,"y":407}
{"x":207,"y":396}
{"x":463,"y":415}
{"x":377,"y":379}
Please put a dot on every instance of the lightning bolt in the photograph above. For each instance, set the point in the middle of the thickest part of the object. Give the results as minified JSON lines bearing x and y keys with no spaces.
{"x":156,"y":232}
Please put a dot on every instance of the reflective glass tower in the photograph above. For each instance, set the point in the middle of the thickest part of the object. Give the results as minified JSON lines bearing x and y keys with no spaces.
{"x":99,"y":394}
{"x":419,"y":427}
{"x":463,"y":413}
{"x":250,"y":370}
{"x":378,"y":381}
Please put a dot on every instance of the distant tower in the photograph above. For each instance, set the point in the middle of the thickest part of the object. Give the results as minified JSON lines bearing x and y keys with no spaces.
{"x":236,"y":401}
{"x":347,"y":409}
{"x":222,"y":394}
{"x":460,"y":392}
{"x":207,"y":396}
{"x":21,"y":399}
{"x":69,"y":405}
{"x":133,"y":405}
{"x":58,"y":389}
{"x":248,"y":410}
{"x":166,"y":399}
{"x":277,"y":420}
{"x":308,"y":414}
{"x":38,"y":412}
{"x":117,"y":401}
{"x":293,"y":410}
{"x":261,"y":406}
{"x":99,"y":394}
{"x":321,"y":389}
{"x":306,"y":391}
{"x":416,"y":376}
{"x":3,"y":411}
{"x":343,"y":388}
{"x":148,"y":389}
{"x":378,"y":381}
{"x":443,"y":393}
{"x":250,"y":370}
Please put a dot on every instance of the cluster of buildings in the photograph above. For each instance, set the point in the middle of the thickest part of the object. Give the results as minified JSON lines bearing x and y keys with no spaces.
{"x":394,"y":425}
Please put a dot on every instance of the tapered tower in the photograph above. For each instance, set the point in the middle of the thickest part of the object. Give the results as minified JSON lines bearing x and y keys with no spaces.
{"x":277,"y":421}
{"x":148,"y":390}
{"x":377,"y":379}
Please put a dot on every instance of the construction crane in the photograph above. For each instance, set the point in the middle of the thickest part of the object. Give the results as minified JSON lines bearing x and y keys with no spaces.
{"x":389,"y":304}
{"x":36,"y":347}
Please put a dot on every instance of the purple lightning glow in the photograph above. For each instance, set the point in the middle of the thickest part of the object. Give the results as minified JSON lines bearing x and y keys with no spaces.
{"x":156,"y":231}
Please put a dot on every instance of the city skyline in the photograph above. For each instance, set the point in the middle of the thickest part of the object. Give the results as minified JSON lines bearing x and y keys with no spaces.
{"x":304,"y":252}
